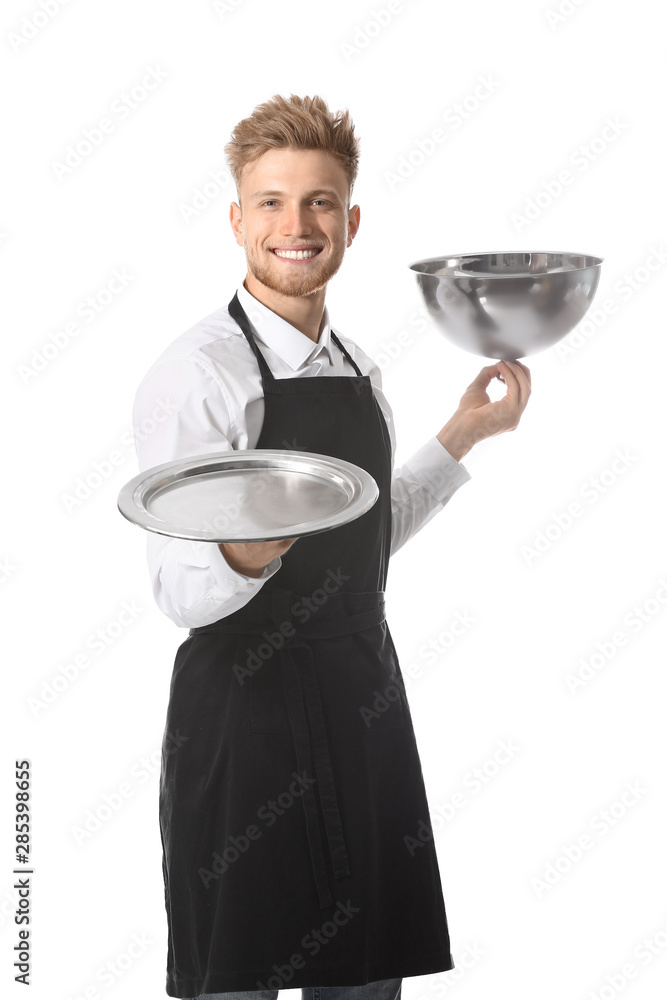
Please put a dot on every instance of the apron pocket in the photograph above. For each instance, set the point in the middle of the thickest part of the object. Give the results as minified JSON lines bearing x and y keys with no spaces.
{"x":361,"y":683}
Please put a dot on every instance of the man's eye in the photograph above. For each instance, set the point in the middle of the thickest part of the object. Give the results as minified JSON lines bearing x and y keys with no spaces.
{"x":320,"y":201}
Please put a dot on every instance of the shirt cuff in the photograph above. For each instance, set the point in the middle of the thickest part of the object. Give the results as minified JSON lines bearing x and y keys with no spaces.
{"x":437,"y":471}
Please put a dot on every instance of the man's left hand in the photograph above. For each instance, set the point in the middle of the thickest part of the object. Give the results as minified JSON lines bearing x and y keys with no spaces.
{"x":477,"y":417}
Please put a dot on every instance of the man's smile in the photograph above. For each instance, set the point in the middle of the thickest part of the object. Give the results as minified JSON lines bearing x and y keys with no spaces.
{"x":295,"y":254}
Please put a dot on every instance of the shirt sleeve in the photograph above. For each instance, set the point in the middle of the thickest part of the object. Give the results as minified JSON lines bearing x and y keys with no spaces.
{"x":181,"y":409}
{"x":420,"y":488}
{"x":423,"y":484}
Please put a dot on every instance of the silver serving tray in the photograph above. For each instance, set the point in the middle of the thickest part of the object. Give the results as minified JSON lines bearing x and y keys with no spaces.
{"x":257,"y":495}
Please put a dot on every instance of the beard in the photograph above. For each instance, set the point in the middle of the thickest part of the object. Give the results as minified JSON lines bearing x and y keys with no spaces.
{"x":302,"y":281}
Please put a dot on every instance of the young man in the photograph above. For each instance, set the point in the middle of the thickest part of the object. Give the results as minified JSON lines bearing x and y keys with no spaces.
{"x":294,"y":819}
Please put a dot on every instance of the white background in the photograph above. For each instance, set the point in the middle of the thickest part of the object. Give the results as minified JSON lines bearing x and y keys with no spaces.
{"x":558,"y":79}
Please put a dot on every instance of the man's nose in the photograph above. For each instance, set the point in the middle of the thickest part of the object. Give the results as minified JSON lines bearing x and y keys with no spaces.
{"x":296,"y":219}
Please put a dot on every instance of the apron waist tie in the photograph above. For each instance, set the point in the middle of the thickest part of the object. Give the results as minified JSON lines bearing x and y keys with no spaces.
{"x":342,"y":614}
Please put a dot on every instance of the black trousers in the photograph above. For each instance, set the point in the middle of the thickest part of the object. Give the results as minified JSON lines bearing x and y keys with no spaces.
{"x":384,"y":989}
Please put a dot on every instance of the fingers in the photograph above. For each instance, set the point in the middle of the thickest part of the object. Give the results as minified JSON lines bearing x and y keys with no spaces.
{"x":482,"y":380}
{"x":510,"y":380}
{"x":517,"y":379}
{"x":524,"y":369}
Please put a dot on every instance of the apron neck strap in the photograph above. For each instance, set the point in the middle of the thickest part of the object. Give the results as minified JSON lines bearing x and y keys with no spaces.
{"x":238,"y":313}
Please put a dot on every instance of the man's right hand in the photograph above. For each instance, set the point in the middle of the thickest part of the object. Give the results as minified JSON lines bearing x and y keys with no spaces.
{"x":252,"y":558}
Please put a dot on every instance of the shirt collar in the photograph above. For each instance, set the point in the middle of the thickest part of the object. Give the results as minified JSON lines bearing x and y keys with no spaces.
{"x":294,"y":347}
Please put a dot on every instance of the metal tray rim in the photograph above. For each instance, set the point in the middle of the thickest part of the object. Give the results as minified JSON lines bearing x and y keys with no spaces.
{"x":137,"y":492}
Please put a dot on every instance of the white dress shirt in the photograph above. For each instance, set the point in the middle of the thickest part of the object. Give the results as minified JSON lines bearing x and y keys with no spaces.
{"x":204,"y":394}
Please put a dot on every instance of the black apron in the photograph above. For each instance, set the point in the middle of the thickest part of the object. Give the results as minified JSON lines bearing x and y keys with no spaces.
{"x":297,"y":844}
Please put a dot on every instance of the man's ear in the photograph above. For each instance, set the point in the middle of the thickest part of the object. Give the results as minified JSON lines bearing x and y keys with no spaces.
{"x":236,"y":221}
{"x":354,"y":215}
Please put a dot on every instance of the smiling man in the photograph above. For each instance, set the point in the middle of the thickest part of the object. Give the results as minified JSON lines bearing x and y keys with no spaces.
{"x":315,"y":226}
{"x":297,"y":846}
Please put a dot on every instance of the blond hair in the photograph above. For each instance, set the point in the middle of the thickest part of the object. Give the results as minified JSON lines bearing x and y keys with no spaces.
{"x":294,"y":123}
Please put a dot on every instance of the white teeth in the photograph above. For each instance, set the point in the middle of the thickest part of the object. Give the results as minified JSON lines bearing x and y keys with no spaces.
{"x":296,"y":254}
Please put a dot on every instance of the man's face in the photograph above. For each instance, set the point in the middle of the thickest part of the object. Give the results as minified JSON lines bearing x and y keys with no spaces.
{"x":293,"y":200}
